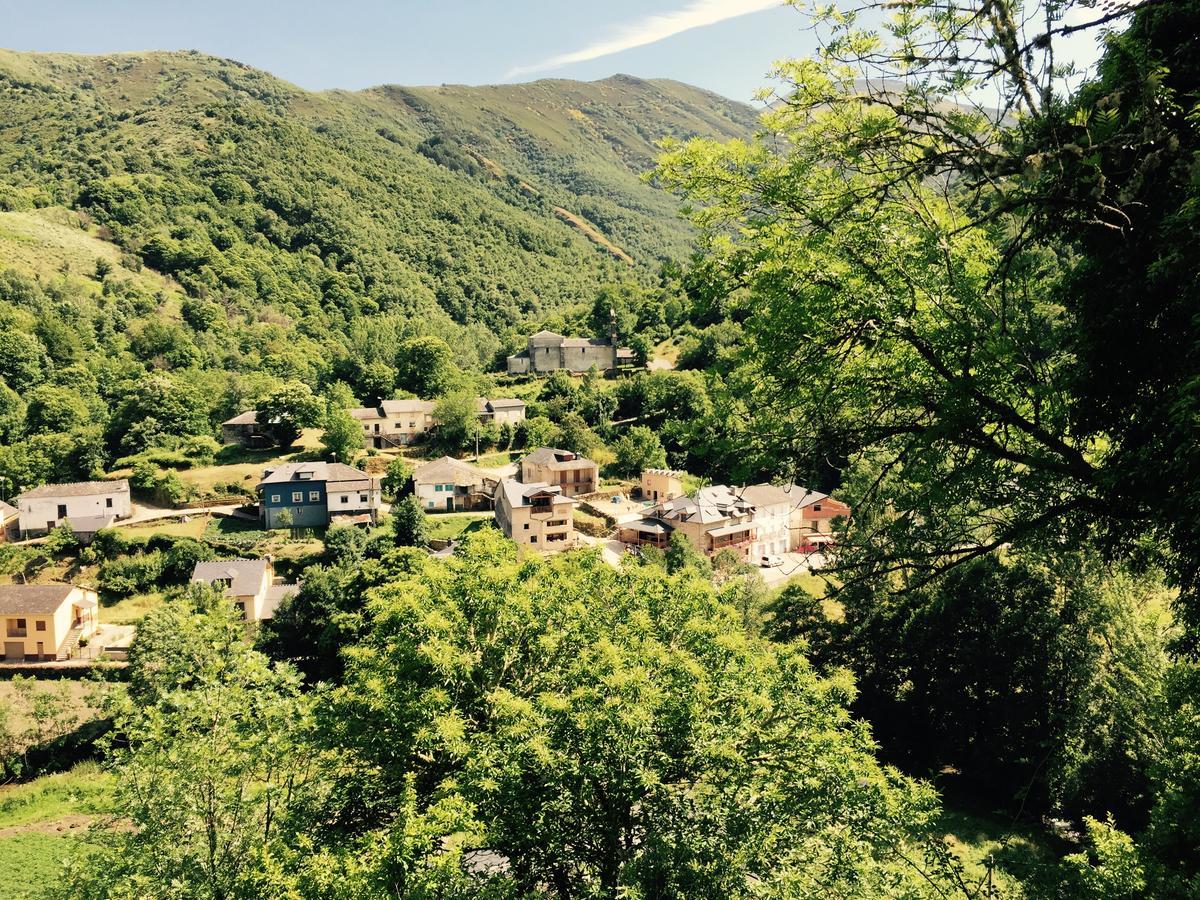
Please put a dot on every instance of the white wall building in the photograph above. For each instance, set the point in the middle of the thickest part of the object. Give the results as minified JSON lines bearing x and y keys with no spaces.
{"x":772,"y":518}
{"x":87,"y":505}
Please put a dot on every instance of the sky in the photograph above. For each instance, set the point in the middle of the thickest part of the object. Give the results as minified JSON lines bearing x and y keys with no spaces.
{"x":727,"y":46}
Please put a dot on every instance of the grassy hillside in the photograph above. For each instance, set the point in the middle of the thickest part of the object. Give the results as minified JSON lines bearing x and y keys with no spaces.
{"x":462,"y":206}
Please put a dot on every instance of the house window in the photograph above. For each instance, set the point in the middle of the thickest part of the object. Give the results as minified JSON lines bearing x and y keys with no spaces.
{"x":297,"y":496}
{"x":362,"y":498}
{"x":345,"y":498}
{"x":62,"y":510}
{"x":274,"y":498}
{"x":108,"y":502}
{"x":39,"y":625}
{"x":314,"y":496}
{"x":526,"y":526}
{"x":437,"y":488}
{"x":817,"y":508}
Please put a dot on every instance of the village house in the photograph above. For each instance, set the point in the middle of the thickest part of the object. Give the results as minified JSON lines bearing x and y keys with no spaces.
{"x":657,"y":485}
{"x":547,"y":351}
{"x":249,"y":583}
{"x":810,"y":522}
{"x":576,"y":475}
{"x":536,"y":515}
{"x":502,"y":410}
{"x":244,"y":429}
{"x":317,"y":494}
{"x":46,"y":621}
{"x":87,"y":506}
{"x":395,"y":423}
{"x":10,"y":516}
{"x":716,"y":519}
{"x":772,"y":519}
{"x":449,"y":484}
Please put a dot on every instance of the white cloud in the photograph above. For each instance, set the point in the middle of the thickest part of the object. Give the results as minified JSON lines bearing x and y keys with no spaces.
{"x":651,"y":29}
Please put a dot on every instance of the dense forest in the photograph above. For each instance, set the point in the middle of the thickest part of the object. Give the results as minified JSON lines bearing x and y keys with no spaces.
{"x":944,"y":274}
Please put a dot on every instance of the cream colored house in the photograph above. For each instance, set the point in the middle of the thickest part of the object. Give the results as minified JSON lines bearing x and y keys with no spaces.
{"x":46,"y":621}
{"x":87,"y":505}
{"x":502,"y":410}
{"x":249,"y":583}
{"x":395,"y":423}
{"x":772,"y":519}
{"x":576,"y":475}
{"x":658,"y":485}
{"x":449,"y":484}
{"x":535,"y":515}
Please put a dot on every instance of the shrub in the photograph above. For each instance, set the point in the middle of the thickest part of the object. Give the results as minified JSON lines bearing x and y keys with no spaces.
{"x":130,"y":575}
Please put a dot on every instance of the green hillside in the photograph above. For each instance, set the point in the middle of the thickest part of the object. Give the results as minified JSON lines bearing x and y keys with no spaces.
{"x":460,"y":206}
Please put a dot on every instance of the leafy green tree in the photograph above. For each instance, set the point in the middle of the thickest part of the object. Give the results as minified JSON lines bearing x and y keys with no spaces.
{"x":345,"y":544}
{"x":538,"y":431}
{"x":182,"y":557}
{"x":425,"y":366}
{"x":312,"y":628}
{"x":682,"y":557}
{"x":214,"y":763}
{"x":53,"y":408}
{"x":342,"y":437}
{"x":22,"y":358}
{"x":577,"y":740}
{"x":410,"y":526}
{"x":638,"y":449}
{"x":396,"y":479}
{"x":285,"y":412}
{"x":457,"y":418}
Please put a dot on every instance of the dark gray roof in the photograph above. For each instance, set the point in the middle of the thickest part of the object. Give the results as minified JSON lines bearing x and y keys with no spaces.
{"x":518,"y":494}
{"x":553,"y":456}
{"x":250,"y":417}
{"x":245,"y":575}
{"x":332,"y":473}
{"x":32,"y":599}
{"x":77,"y":489}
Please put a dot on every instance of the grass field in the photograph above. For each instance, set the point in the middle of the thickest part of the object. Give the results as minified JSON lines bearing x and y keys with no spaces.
{"x":452,"y":526}
{"x":1022,"y":858}
{"x":44,"y":822}
{"x":131,"y":610}
{"x":194,"y":528}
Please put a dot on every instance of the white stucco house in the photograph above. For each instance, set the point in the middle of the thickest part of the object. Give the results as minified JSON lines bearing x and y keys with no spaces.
{"x":87,"y":506}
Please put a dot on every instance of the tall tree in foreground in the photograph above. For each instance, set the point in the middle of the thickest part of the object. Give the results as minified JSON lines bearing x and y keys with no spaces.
{"x":619,"y":734}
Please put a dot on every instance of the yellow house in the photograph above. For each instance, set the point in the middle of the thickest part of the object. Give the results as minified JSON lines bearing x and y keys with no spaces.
{"x":658,"y":485}
{"x":45,"y":621}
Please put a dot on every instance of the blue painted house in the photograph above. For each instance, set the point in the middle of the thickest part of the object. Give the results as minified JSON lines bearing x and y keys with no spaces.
{"x":317,"y":494}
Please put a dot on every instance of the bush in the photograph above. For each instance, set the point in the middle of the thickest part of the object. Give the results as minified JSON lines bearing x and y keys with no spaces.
{"x":130,"y":575}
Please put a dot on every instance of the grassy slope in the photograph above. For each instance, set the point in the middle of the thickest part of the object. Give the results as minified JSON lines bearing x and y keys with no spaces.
{"x":45,"y":821}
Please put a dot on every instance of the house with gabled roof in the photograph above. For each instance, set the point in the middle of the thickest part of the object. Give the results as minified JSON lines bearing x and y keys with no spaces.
{"x":43,"y":622}
{"x":248,"y":583}
{"x":716,"y":519}
{"x":535,"y":515}
{"x":449,"y":484}
{"x":87,"y":506}
{"x":246,"y":430}
{"x":318,"y":494}
{"x":812,"y":517}
{"x":575,"y":474}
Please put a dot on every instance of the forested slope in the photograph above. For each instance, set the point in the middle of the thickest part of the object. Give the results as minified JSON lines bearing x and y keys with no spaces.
{"x":435,"y":202}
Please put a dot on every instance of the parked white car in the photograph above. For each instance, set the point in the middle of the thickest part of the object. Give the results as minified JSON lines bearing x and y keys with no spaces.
{"x":770,"y":561}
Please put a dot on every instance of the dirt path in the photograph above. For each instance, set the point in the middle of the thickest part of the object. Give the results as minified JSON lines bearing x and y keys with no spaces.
{"x":77,"y":823}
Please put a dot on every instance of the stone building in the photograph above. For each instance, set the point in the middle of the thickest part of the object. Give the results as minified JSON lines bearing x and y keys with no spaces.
{"x":548,"y":352}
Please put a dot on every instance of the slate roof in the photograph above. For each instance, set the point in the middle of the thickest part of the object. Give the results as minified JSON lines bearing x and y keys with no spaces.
{"x":245,"y":575}
{"x":339,"y":474}
{"x":250,"y":417}
{"x":552,"y":456}
{"x":7,"y":512}
{"x":449,"y":470}
{"x":712,"y":504}
{"x":518,"y":494}
{"x":76,"y":489}
{"x":766,"y":495}
{"x":32,"y":599}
